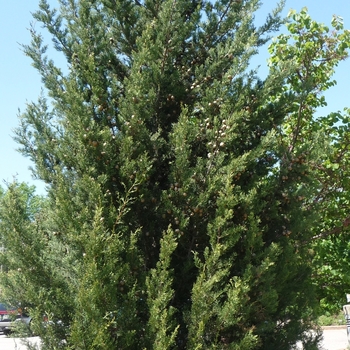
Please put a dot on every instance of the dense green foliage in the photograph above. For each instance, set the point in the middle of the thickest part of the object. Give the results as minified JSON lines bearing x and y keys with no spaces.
{"x":317,"y":51}
{"x":184,"y":194}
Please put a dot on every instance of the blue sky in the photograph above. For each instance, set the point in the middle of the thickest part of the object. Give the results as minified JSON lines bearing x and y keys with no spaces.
{"x":20,"y":83}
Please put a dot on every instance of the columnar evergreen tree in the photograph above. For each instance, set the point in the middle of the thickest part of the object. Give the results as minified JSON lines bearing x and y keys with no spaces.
{"x":178,"y":182}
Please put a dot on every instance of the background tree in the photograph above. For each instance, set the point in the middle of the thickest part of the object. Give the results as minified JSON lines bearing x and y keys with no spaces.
{"x":181,"y":188}
{"x":318,"y":51}
{"x":34,"y":265}
{"x":331,"y":239}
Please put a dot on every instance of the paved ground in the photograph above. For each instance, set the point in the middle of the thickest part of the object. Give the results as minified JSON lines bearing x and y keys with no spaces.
{"x":334,"y":338}
{"x":8,"y":343}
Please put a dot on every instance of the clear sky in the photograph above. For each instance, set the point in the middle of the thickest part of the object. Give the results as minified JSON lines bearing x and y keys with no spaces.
{"x":20,"y":83}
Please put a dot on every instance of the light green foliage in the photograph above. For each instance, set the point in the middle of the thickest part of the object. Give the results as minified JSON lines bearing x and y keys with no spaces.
{"x":181,"y":188}
{"x":162,"y":328}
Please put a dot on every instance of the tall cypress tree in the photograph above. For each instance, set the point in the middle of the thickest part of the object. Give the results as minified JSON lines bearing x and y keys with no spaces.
{"x":177,"y":213}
